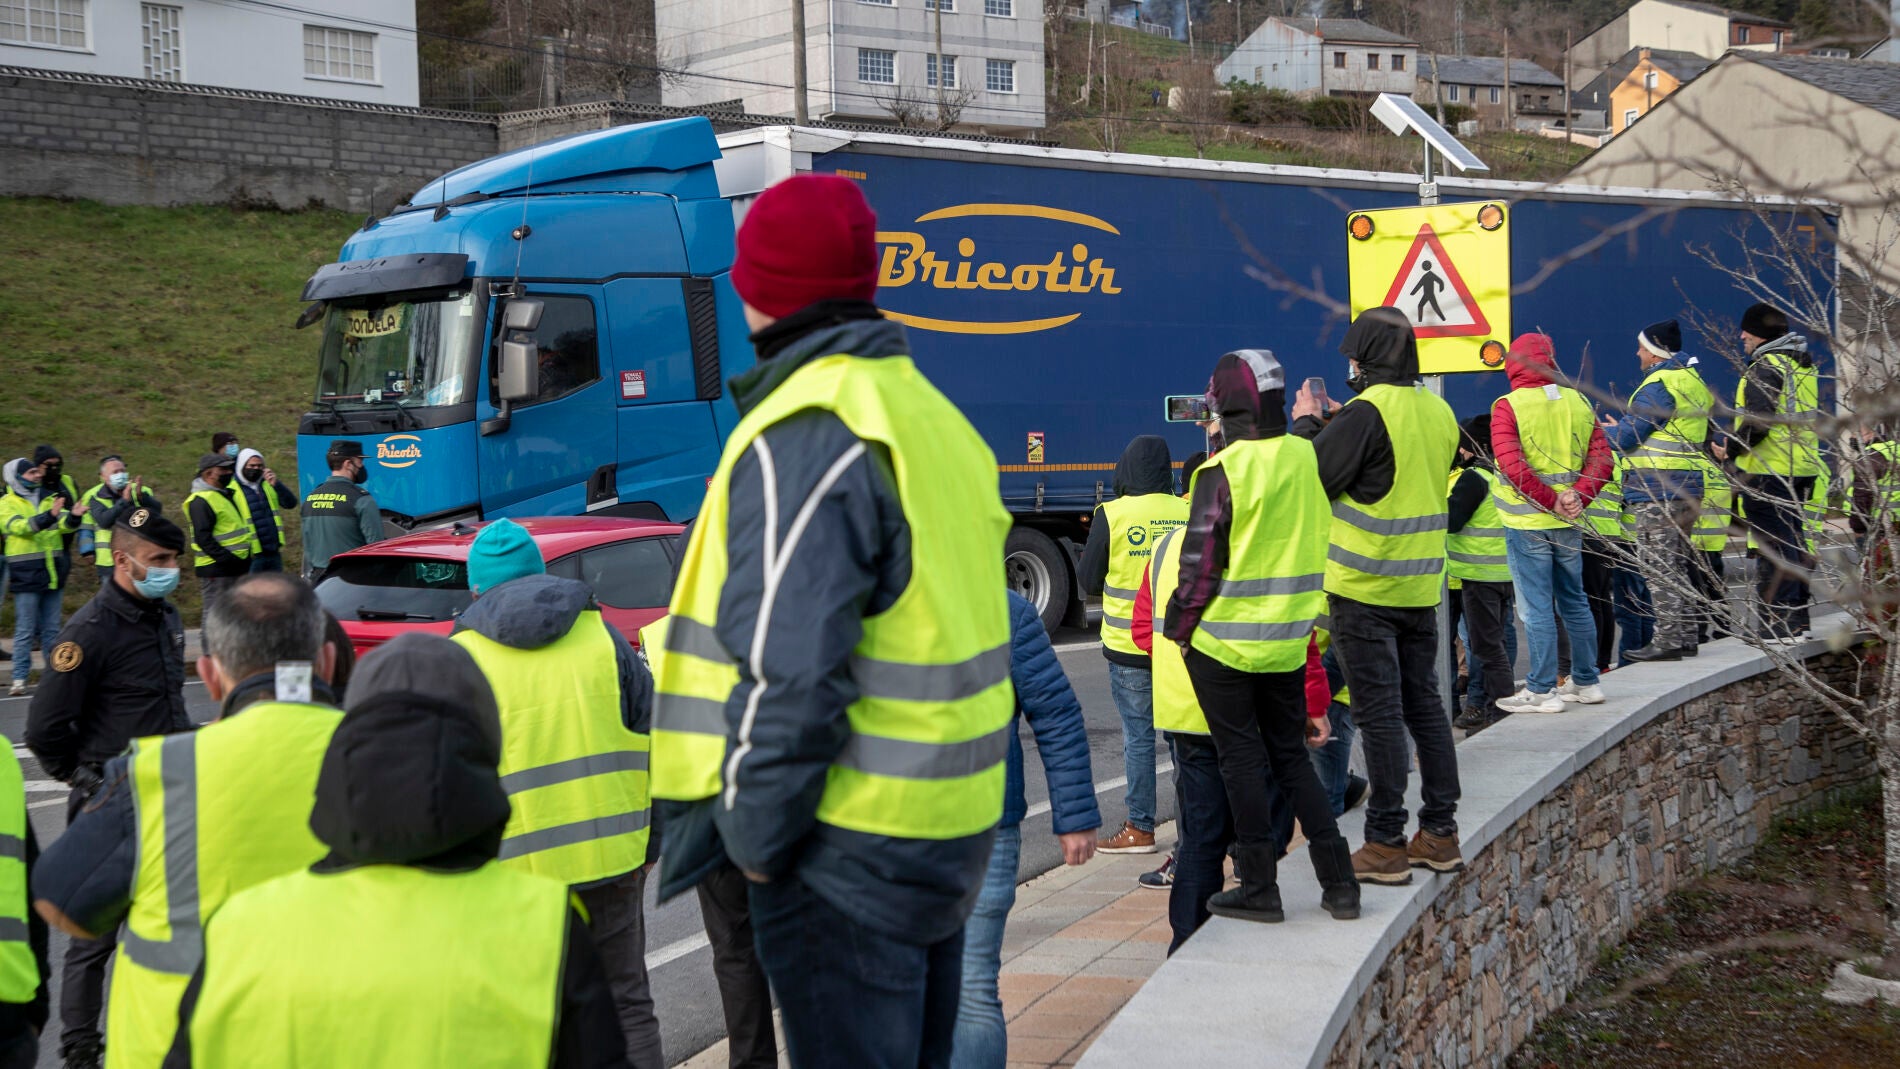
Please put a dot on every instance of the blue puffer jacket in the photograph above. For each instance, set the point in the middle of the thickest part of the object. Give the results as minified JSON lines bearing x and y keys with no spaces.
{"x":1045,"y":699}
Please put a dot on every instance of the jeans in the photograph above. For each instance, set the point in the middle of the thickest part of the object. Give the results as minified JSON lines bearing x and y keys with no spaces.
{"x":1134,"y":692}
{"x":982,"y":1040}
{"x":849,"y":996}
{"x":267,"y":562}
{"x":617,"y":919}
{"x":1772,"y":506}
{"x":1205,"y":831}
{"x":1333,"y":761}
{"x":1390,"y":657}
{"x":1547,"y":570}
{"x":744,"y":995}
{"x":1488,"y":619}
{"x":35,"y":616}
{"x":1635,"y":624}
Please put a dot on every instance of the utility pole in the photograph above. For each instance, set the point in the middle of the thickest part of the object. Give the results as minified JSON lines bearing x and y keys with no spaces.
{"x":1108,"y":140}
{"x":801,"y":111}
{"x":1568,"y":125}
{"x":1438,"y":93}
{"x":1508,"y":124}
{"x":1458,"y":27}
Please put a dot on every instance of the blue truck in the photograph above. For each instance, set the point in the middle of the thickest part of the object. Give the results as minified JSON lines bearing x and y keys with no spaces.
{"x":548,"y":332}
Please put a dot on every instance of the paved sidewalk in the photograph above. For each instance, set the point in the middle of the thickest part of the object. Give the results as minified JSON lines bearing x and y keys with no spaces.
{"x":1079,"y":943}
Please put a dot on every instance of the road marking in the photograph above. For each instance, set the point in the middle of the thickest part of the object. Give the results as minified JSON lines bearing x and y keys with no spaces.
{"x":1101,"y":788}
{"x":46,"y":804}
{"x":44,"y":785}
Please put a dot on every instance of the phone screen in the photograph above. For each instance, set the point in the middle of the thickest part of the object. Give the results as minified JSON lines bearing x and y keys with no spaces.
{"x":1316,"y":388}
{"x":1188,"y":408}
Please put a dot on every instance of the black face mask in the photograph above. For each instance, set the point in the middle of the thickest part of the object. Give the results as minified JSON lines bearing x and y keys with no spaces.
{"x":254,"y":474}
{"x":1356,"y":379}
{"x":360,"y":476}
{"x":51,"y":477}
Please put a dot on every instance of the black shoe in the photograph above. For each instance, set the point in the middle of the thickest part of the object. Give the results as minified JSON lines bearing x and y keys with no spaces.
{"x":1357,"y":791}
{"x":1339,"y":890}
{"x":85,"y":1052}
{"x":1653,"y":652}
{"x":1258,"y":896}
{"x":1475,"y":719}
{"x":1690,"y":651}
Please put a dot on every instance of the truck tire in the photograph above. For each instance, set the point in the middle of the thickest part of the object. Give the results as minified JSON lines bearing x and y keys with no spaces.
{"x":1034,"y":567}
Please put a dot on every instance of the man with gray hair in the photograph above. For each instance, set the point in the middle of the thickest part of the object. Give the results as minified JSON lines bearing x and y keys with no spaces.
{"x":239,"y":790}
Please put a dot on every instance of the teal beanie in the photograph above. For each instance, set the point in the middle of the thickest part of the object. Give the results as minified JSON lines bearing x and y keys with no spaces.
{"x":503,"y":551}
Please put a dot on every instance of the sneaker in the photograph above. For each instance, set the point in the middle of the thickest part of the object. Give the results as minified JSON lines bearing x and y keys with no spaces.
{"x":1566,"y":689}
{"x":1129,"y":840}
{"x":1436,"y":852}
{"x":1380,"y":863}
{"x":1590,"y":695}
{"x":1358,"y":789}
{"x":1160,"y":879}
{"x":1531,"y":701}
{"x":18,"y":689}
{"x":1475,"y":718}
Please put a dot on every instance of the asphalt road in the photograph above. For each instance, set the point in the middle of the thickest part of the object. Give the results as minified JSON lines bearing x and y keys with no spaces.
{"x":679,"y":962}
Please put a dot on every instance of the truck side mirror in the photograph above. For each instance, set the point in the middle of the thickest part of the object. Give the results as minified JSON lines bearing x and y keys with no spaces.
{"x":521,"y":314}
{"x":515,"y":368}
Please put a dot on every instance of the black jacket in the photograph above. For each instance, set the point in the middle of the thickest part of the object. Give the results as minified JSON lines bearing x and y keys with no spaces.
{"x":118,"y":674}
{"x":1467,"y":496}
{"x":1145,"y":467}
{"x":202,"y":522}
{"x":852,"y":560}
{"x":1763,"y":398}
{"x":1355,"y":451}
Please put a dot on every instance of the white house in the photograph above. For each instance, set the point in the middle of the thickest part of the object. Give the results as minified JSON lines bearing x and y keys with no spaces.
{"x":362,"y":50}
{"x":1708,"y":30}
{"x":864,"y":59}
{"x":1324,"y":57}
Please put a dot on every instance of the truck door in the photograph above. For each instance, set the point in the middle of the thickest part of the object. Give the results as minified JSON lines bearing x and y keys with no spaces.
{"x":557,"y":454}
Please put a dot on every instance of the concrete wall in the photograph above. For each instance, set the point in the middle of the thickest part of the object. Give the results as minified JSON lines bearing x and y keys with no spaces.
{"x":1277,"y":56}
{"x":157,"y":143}
{"x":1594,"y":54}
{"x":1358,"y":76}
{"x":243,"y":46}
{"x":1660,"y":25}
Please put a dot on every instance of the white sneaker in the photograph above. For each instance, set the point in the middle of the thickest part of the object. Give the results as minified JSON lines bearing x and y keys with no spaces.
{"x":1566,"y":689}
{"x":1590,"y":695}
{"x":18,"y":689}
{"x":1530,"y":701}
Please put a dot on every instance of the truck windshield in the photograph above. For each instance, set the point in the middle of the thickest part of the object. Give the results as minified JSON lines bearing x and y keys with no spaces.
{"x":406,"y":352}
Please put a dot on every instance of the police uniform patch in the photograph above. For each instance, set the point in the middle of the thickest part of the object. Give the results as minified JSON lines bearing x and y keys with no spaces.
{"x":138,"y":518}
{"x":66,"y":657}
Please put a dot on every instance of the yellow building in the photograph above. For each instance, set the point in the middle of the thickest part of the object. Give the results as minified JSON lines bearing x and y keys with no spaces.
{"x":1653,"y":77}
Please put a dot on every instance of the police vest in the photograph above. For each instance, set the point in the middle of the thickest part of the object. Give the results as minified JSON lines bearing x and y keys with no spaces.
{"x":1710,"y":533}
{"x":1675,"y":445}
{"x":931,"y":725}
{"x":232,"y":528}
{"x":334,"y":498}
{"x":384,"y":965}
{"x":217,"y":810}
{"x":24,"y":545}
{"x":1273,"y":586}
{"x":576,"y":778}
{"x":1476,"y":551}
{"x":1554,"y":425}
{"x":1392,"y":552}
{"x":1605,"y":513}
{"x":19,"y":969}
{"x":1135,"y":525}
{"x":1789,"y":449}
{"x":1176,"y":707}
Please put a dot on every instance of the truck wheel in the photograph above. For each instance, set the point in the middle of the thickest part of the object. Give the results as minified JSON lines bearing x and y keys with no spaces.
{"x":1033,"y":567}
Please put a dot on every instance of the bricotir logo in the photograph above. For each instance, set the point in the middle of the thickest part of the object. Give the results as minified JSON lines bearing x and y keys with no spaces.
{"x":399,"y":451}
{"x":1070,"y":269}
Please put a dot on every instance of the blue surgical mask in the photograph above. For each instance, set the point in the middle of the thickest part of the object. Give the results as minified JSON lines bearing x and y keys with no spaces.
{"x":158,"y":582}
{"x":117,"y":480}
{"x":231,"y":450}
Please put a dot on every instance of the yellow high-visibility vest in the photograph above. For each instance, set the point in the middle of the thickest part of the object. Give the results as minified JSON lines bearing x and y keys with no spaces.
{"x":1273,"y":586}
{"x":1392,"y":552}
{"x":1554,"y":425}
{"x":1135,"y":525}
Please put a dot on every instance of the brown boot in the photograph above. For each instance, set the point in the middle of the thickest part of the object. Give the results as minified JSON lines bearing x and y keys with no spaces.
{"x":1129,"y":840}
{"x":1379,"y":863}
{"x":1436,"y":852}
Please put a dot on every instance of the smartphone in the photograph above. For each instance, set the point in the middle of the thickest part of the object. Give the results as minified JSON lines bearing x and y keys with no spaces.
{"x":1316,"y":388}
{"x":1188,"y":408}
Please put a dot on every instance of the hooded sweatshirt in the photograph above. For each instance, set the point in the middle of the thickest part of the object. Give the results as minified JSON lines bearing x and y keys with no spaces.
{"x":1245,"y":414}
{"x":1763,"y":397}
{"x":265,"y":499}
{"x":21,"y":516}
{"x":1533,"y":364}
{"x":1144,"y":468}
{"x":1355,"y":451}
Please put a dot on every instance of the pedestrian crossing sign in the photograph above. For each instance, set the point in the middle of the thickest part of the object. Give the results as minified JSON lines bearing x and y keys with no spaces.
{"x":1448,"y":268}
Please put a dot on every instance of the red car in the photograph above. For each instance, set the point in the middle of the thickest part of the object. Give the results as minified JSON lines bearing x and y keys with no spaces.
{"x":419,"y":582}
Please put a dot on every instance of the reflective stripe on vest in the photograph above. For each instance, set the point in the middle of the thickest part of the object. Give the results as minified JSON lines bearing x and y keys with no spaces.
{"x":384,"y":965}
{"x":930,"y":724}
{"x":19,"y":969}
{"x":1887,"y":487}
{"x":1135,"y":526}
{"x":576,"y":778}
{"x":233,"y":524}
{"x":217,"y":810}
{"x":1710,"y":533}
{"x":1790,"y":449}
{"x":1273,"y":586}
{"x":1392,"y":552}
{"x":1176,"y":707}
{"x":25,"y":545}
{"x":1554,"y":427}
{"x":101,"y":536}
{"x":1676,"y":444}
{"x":1476,"y":551}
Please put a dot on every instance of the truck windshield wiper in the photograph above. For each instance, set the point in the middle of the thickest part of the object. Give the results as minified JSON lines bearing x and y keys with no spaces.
{"x":393,"y":614}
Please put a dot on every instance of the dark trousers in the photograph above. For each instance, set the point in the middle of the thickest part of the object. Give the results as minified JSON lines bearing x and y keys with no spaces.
{"x":1258,"y":723}
{"x":212,"y":588}
{"x":1205,"y":831}
{"x":272,"y":561}
{"x":1390,"y":657}
{"x":1635,"y":622}
{"x":82,"y":993}
{"x":1600,"y":565}
{"x":1708,"y":574}
{"x":1489,"y":611}
{"x":743,"y":993}
{"x":617,"y":918}
{"x":850,"y":996}
{"x":1773,"y":508}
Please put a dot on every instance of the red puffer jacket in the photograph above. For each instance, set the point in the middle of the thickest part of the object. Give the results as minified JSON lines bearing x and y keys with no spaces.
{"x":1533,"y":363}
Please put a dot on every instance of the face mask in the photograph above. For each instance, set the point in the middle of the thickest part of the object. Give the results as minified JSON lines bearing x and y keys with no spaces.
{"x":158,"y":582}
{"x":231,"y":450}
{"x":118,"y":479}
{"x":30,"y":484}
{"x":1355,"y":378}
{"x":253,"y":474}
{"x":361,"y":476}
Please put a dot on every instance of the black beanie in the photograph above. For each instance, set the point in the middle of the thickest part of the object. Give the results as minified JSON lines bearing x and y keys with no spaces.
{"x":1664,"y":338}
{"x":1764,"y":321}
{"x":44,"y":453}
{"x":1477,"y":433}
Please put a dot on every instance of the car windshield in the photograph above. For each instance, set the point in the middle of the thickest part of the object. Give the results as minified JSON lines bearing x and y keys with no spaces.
{"x":395,"y":589}
{"x":406,"y":352}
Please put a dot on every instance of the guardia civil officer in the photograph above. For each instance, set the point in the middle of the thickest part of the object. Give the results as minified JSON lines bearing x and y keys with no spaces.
{"x":339,"y":515}
{"x":117,"y":673}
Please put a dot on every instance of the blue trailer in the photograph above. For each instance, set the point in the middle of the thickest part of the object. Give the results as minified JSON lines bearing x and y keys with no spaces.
{"x":549,"y":331}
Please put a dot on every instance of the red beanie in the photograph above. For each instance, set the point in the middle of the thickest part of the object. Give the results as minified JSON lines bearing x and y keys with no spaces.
{"x":810,"y":238}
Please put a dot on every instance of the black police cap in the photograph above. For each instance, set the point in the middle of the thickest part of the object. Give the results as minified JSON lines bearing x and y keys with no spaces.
{"x":153,"y":527}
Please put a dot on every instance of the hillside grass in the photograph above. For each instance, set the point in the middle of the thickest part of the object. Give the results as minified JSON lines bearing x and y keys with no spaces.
{"x":142,"y":331}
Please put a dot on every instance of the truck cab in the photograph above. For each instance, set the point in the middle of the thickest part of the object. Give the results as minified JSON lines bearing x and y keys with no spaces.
{"x":547,"y":332}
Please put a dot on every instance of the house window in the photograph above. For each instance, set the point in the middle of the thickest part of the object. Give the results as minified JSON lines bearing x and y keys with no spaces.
{"x":880,"y":3}
{"x":1372,"y":61}
{"x":1258,"y":74}
{"x":59,"y":23}
{"x":949,"y":71}
{"x":1494,"y":94}
{"x":1451,"y":93}
{"x":943,"y":5}
{"x":1398,"y":61}
{"x":877,"y":65}
{"x":1630,"y":116}
{"x":1649,"y":79}
{"x":1002,"y":9}
{"x":1741,"y":35}
{"x":164,"y":47}
{"x":1339,"y":61}
{"x":332,"y":53}
{"x":999,"y":75}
